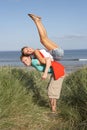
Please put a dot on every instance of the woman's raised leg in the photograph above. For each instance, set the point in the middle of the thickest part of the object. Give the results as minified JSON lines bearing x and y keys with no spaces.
{"x":50,"y":45}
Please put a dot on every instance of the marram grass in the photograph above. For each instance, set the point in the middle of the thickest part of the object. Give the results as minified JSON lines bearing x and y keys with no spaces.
{"x":73,"y":101}
{"x":24,"y":104}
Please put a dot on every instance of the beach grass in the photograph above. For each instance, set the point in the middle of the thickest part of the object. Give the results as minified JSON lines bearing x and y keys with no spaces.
{"x":24,"y":104}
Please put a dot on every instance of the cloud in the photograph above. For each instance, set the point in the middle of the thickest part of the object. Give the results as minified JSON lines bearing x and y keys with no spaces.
{"x":73,"y":37}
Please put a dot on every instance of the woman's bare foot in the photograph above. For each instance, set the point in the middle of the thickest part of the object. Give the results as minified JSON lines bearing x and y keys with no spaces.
{"x":34,"y":17}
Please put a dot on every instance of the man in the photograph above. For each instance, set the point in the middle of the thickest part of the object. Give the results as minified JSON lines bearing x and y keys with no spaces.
{"x":54,"y":87}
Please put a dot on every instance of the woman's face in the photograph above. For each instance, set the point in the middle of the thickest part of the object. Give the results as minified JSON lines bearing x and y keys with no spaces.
{"x":26,"y":60}
{"x":28,"y":51}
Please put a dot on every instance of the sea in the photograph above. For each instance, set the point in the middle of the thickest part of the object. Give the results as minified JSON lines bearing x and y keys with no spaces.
{"x":72,"y":60}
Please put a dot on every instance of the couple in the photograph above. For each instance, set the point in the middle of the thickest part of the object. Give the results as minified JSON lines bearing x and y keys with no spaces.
{"x":46,"y":61}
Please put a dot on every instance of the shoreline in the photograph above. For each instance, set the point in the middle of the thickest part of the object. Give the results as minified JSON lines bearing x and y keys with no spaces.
{"x":70,"y":69}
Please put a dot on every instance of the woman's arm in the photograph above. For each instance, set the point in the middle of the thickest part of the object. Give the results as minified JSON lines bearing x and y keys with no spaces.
{"x":39,"y":57}
{"x":48,"y":65}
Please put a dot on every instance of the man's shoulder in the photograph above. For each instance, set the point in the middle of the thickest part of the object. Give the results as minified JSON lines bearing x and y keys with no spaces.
{"x":34,"y":61}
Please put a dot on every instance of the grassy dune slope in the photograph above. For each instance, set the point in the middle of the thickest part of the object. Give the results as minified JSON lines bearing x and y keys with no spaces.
{"x":24,"y":103}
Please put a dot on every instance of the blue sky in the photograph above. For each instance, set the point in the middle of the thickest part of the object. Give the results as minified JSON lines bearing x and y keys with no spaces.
{"x":64,"y":20}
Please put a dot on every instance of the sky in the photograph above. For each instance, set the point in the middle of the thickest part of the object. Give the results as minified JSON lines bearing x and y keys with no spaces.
{"x":64,"y":20}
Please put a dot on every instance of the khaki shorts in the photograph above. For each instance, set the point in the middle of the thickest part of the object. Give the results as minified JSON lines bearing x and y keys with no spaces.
{"x":54,"y":87}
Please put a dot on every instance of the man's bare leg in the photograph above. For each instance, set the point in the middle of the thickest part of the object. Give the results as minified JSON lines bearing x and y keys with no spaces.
{"x":53,"y":104}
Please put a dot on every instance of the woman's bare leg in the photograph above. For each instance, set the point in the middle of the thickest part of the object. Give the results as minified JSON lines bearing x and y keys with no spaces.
{"x":42,"y":33}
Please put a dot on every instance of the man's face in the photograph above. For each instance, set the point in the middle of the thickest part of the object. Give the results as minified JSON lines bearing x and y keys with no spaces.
{"x":26,"y":60}
{"x":28,"y":50}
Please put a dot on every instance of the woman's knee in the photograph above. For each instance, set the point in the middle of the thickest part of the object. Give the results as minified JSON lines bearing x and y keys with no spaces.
{"x":43,"y":39}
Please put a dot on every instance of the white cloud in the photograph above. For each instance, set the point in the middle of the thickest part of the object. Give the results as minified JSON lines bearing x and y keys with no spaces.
{"x":73,"y":37}
{"x":70,"y":37}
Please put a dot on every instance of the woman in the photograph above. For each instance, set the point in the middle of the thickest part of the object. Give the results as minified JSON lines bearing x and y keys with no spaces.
{"x":53,"y":49}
